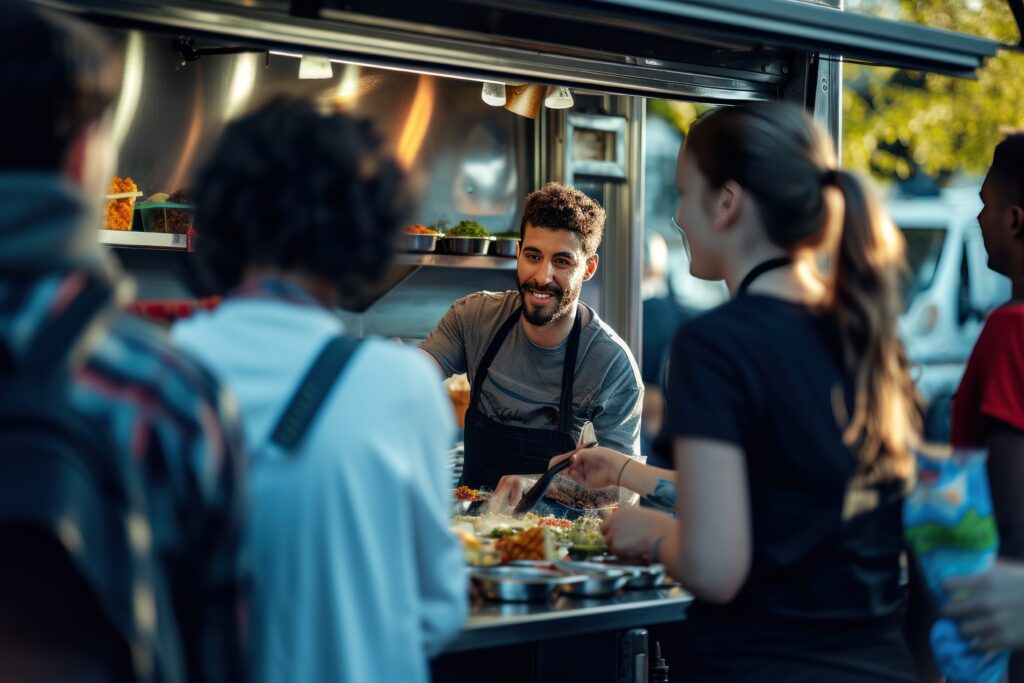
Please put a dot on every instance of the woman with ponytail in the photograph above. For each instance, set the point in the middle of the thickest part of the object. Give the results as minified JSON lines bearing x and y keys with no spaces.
{"x":790,"y":416}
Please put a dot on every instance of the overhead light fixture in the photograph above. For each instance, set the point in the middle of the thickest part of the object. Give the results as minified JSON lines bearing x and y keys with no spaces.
{"x":493,"y":94}
{"x":315,"y":67}
{"x":525,"y":100}
{"x":558,"y":98}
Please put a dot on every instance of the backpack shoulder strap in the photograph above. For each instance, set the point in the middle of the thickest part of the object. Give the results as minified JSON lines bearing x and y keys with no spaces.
{"x":310,"y":395}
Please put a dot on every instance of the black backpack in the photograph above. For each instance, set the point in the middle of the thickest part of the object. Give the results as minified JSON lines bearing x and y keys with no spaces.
{"x":79,"y":585}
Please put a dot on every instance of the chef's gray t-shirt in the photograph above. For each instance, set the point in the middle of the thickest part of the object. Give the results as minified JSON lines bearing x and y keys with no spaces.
{"x":524,"y":382}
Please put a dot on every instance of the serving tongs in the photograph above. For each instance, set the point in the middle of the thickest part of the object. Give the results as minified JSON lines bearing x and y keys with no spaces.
{"x":537,"y":491}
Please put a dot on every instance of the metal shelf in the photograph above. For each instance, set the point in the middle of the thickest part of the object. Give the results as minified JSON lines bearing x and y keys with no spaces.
{"x":145,"y":240}
{"x":456,"y":261}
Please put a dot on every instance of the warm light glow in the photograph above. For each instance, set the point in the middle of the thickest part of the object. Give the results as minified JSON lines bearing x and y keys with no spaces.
{"x":131,"y":88}
{"x":195,"y":132}
{"x":417,"y":123}
{"x":348,"y":88}
{"x":242,"y":81}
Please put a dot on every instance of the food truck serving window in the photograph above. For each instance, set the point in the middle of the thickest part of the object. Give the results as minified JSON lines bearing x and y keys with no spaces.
{"x":713,"y":50}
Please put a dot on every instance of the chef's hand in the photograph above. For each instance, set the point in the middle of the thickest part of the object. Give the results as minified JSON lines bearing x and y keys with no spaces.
{"x":595,"y":468}
{"x":630,"y":531}
{"x":509,"y":492}
{"x":990,"y":607}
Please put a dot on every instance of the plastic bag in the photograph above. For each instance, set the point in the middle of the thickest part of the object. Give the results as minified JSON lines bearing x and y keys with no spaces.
{"x":949,"y":523}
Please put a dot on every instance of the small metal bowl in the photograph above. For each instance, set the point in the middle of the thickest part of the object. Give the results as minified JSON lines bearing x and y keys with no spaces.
{"x":516,"y":583}
{"x":473,"y":246}
{"x":648,"y":578}
{"x":418,"y":243}
{"x":505,"y":246}
{"x":602,"y":580}
{"x":642,"y":577}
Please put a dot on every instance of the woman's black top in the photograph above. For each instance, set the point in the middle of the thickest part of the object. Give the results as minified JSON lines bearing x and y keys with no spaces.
{"x":823,"y":596}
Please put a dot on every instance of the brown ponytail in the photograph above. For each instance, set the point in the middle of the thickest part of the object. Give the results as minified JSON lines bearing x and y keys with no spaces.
{"x":867,"y":301}
{"x":785,"y":160}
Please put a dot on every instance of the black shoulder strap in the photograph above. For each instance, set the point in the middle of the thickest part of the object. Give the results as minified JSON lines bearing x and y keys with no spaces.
{"x":312,"y":391}
{"x":54,"y":341}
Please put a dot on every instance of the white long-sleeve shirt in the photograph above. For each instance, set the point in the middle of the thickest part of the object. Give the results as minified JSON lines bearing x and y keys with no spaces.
{"x":356,"y":575}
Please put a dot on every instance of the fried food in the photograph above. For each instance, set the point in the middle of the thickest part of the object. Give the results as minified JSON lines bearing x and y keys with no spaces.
{"x":119,"y":211}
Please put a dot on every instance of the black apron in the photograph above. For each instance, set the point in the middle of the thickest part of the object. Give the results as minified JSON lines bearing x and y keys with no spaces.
{"x":494,"y":449}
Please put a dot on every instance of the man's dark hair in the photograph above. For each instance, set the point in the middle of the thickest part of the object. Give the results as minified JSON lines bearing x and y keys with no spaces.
{"x":60,"y":76}
{"x":562,"y":207}
{"x":1008,"y":168}
{"x":292,"y":187}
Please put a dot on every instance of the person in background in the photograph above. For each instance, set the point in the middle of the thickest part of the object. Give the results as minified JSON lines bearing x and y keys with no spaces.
{"x":356,"y":575}
{"x":662,"y":315}
{"x":541,"y":365}
{"x":790,"y":414}
{"x":163,"y":412}
{"x":988,"y":412}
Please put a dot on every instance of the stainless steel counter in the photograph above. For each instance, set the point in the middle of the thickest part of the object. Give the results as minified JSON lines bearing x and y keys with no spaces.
{"x":493,"y":624}
{"x":567,"y":639}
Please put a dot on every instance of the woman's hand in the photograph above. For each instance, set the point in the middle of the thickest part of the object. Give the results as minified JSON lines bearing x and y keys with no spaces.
{"x":631,"y":531}
{"x":990,"y":607}
{"x":595,"y":468}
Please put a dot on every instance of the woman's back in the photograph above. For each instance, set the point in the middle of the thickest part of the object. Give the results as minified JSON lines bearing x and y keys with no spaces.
{"x":767,"y":375}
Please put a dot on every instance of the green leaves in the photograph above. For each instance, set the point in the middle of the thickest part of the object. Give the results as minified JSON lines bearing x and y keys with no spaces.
{"x":898,"y":123}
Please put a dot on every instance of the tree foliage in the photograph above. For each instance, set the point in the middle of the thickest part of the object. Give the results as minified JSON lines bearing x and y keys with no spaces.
{"x":900,"y":123}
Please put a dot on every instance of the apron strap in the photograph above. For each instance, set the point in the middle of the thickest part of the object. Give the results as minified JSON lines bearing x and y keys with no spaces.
{"x":569,"y":374}
{"x":490,"y":353}
{"x":568,"y":366}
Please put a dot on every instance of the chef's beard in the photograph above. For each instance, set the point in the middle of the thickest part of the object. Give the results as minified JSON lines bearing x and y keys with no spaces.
{"x":565,"y":299}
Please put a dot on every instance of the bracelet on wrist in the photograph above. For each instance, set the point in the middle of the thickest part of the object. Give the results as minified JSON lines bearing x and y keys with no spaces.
{"x":622,"y":469}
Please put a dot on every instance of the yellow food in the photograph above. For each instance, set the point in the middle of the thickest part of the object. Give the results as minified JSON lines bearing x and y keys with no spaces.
{"x":533,"y":544}
{"x":119,"y":211}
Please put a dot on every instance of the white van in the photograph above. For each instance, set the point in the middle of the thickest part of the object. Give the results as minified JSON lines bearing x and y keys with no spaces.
{"x":950,"y":292}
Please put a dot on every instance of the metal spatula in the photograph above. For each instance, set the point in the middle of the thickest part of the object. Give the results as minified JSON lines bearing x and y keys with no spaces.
{"x":538,"y":490}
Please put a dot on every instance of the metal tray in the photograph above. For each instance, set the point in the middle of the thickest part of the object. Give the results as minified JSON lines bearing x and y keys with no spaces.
{"x":476,"y":246}
{"x":521,"y":583}
{"x":418,"y":243}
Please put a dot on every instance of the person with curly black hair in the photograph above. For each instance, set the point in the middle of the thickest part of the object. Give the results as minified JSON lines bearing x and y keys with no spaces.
{"x":296,"y":209}
{"x":541,"y":365}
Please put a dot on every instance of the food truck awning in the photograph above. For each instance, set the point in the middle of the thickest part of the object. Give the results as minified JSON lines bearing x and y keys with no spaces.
{"x":712,"y":50}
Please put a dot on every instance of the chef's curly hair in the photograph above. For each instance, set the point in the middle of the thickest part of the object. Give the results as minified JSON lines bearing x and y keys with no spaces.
{"x":563,"y":207}
{"x":295,"y":188}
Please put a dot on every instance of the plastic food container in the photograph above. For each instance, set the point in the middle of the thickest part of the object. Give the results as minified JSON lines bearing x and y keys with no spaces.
{"x":120,"y":210}
{"x":166,"y":217}
{"x":468,"y":246}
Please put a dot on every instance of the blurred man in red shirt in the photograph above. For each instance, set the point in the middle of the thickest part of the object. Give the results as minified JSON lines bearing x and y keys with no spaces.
{"x":988,"y":412}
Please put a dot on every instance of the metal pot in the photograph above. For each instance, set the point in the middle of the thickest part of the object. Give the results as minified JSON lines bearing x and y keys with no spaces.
{"x":512,"y":583}
{"x":419,"y":243}
{"x":504,"y":246}
{"x":473,"y":246}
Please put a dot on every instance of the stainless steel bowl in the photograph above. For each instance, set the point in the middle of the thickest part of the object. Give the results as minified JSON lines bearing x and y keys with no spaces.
{"x":420,"y":243}
{"x":473,"y":246}
{"x":601,"y":580}
{"x":647,"y":578}
{"x":517,"y":583}
{"x":642,"y":577}
{"x":503,"y":246}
